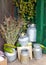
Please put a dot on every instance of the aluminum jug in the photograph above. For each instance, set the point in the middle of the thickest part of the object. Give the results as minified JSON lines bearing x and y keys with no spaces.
{"x":23,"y":40}
{"x":37,"y":51}
{"x":31,"y":32}
{"x":24,"y":56}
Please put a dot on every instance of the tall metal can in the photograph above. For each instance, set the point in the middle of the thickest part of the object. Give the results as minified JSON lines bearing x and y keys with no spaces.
{"x":31,"y":32}
{"x":37,"y":51}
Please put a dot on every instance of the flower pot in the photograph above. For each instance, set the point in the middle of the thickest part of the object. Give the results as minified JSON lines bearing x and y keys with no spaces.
{"x":11,"y":56}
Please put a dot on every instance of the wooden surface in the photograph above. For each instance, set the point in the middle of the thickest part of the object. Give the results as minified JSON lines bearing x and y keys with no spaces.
{"x":42,"y":61}
{"x":29,"y":48}
{"x":4,"y":62}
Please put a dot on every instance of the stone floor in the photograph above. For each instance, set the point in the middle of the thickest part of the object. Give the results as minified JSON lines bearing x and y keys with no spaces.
{"x":42,"y":61}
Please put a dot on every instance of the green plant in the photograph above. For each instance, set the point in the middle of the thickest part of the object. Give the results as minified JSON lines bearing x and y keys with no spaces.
{"x":43,"y":47}
{"x":18,"y":45}
{"x":26,"y":8}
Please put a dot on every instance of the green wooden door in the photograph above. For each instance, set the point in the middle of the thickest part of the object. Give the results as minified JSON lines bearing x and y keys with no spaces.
{"x":40,"y":20}
{"x":44,"y":24}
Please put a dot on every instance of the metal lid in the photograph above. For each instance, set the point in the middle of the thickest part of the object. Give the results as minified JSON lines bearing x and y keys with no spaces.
{"x":23,"y":38}
{"x":36,"y":45}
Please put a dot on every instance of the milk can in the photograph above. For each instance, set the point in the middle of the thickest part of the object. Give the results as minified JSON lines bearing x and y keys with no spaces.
{"x":37,"y":51}
{"x":31,"y":32}
{"x":24,"y":56}
{"x":23,"y":40}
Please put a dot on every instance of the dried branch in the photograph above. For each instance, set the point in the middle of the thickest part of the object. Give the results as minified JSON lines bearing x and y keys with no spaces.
{"x":11,"y":29}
